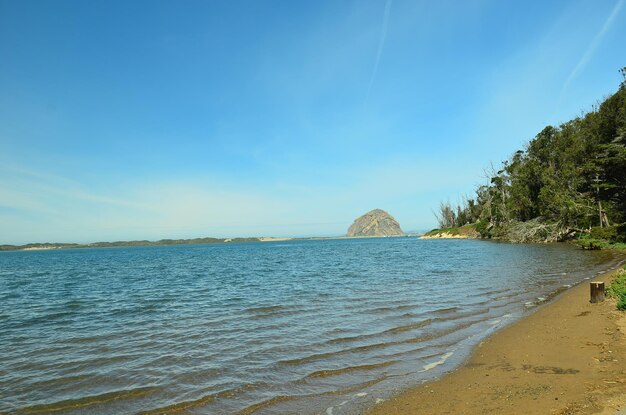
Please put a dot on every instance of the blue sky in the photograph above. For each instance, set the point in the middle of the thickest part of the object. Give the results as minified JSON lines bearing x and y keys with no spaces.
{"x":162,"y":119}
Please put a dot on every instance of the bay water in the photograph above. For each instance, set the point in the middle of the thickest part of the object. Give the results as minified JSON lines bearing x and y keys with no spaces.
{"x":289,"y":327}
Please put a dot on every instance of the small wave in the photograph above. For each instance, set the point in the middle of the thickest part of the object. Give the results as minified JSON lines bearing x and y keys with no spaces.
{"x":39,"y":274}
{"x":439,"y":362}
{"x":422,"y":349}
{"x":265,"y":312}
{"x":266,"y":309}
{"x":506,"y":304}
{"x":204,"y":400}
{"x":263,"y":404}
{"x":393,"y":330}
{"x":45,"y":319}
{"x":446,"y":310}
{"x":73,"y":305}
{"x":409,"y":327}
{"x":63,"y":380}
{"x":87,"y":401}
{"x":233,"y":300}
{"x":92,"y":362}
{"x":401,"y":329}
{"x":365,"y":348}
{"x":354,"y":388}
{"x":270,"y":315}
{"x":91,"y":339}
{"x":480,"y":293}
{"x":335,"y":372}
{"x":506,"y":296}
{"x":385,"y":309}
{"x":461,"y":315}
{"x":284,"y":398}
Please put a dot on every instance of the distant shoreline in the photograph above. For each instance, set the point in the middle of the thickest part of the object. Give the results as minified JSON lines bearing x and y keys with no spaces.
{"x":163,"y":242}
{"x":48,"y":246}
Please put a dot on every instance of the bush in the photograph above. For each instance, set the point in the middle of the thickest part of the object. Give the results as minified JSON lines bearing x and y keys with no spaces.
{"x":586,"y":242}
{"x":483,"y":227}
{"x":617,"y":290}
{"x":608,"y":233}
{"x":621,"y":232}
{"x":608,"y":237}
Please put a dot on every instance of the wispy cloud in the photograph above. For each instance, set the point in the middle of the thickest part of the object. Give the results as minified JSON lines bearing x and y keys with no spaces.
{"x":381,"y":46}
{"x":35,"y":185}
{"x":584,"y":60}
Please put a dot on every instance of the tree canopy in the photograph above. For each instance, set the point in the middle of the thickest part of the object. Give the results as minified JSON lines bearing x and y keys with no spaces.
{"x":571,"y":177}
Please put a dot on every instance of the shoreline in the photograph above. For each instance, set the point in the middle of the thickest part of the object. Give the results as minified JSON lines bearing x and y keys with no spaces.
{"x":446,"y":235}
{"x":567,"y":357}
{"x":47,"y":246}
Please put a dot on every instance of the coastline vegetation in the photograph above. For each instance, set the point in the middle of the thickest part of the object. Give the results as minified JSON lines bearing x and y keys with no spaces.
{"x":568,"y":183}
{"x":617,"y":289}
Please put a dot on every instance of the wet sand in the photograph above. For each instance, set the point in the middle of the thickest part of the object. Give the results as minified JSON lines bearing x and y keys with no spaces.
{"x":569,"y":357}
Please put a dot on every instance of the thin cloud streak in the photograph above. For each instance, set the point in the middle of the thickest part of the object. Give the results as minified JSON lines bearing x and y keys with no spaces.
{"x":381,"y":46}
{"x":28,"y":187}
{"x":592,"y":47}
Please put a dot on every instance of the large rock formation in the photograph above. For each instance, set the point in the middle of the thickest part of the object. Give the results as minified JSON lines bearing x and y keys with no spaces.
{"x":376,"y":222}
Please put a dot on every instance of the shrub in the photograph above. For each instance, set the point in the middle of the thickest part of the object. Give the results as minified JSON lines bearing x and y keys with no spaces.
{"x":483,"y":227}
{"x":617,"y":290}
{"x":608,"y":233}
{"x":591,"y":244}
{"x":621,"y":232}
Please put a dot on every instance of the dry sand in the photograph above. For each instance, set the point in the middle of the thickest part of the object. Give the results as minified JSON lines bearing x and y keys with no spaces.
{"x":445,"y":235}
{"x":569,"y":357}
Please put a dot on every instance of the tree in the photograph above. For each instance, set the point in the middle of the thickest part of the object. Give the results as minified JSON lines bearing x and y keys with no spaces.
{"x":572,"y":176}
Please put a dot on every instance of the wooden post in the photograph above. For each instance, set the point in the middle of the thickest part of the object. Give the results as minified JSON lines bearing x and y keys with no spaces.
{"x":597,"y":291}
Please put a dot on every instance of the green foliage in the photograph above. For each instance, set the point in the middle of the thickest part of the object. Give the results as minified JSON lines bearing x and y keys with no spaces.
{"x":617,"y":290}
{"x":463,"y":214}
{"x":483,"y":227}
{"x":573,"y":176}
{"x":600,"y":240}
{"x":609,"y":233}
{"x":592,"y":244}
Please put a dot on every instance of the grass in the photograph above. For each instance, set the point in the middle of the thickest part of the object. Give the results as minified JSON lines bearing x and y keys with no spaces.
{"x":617,"y":289}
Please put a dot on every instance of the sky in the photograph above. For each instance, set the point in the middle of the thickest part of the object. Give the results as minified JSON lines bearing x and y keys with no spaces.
{"x":160,"y":119}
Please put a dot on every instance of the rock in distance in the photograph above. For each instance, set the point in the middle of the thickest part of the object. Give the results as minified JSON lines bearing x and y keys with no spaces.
{"x":376,"y":222}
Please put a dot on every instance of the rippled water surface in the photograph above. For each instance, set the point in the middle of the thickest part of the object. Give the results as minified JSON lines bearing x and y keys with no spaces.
{"x":325,"y":326}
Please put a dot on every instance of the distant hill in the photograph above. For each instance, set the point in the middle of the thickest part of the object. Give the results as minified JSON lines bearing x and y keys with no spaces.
{"x":376,"y":222}
{"x":162,"y":242}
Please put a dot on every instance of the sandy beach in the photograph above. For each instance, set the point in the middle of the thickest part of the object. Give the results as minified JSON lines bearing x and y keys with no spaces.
{"x":444,"y":235}
{"x":569,"y":357}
